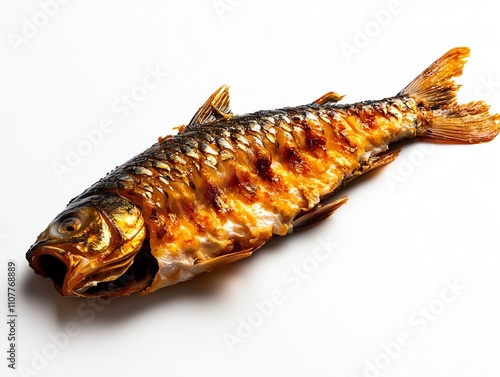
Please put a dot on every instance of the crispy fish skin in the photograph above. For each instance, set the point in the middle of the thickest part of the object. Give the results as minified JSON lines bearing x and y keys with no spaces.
{"x":224,"y":185}
{"x":225,"y":188}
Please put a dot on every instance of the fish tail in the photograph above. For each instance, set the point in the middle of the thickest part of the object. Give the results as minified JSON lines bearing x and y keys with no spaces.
{"x":445,"y":120}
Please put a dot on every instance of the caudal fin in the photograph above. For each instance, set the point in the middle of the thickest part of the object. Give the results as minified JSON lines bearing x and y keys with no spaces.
{"x":448,"y":121}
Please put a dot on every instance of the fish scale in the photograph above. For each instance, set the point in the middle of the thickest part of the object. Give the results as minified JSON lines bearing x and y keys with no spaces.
{"x":224,"y":185}
{"x":302,"y":155}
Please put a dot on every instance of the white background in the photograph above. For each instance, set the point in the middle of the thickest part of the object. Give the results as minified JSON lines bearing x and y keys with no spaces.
{"x":428,"y":220}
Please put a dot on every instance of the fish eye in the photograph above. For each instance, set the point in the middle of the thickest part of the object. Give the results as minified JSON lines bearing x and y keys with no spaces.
{"x":69,"y":225}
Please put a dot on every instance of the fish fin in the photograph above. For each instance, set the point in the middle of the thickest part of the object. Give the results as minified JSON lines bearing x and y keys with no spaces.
{"x":448,"y":121}
{"x":330,"y":97}
{"x":374,"y":162}
{"x":436,"y":84}
{"x":470,"y":123}
{"x":216,"y":107}
{"x":222,"y":260}
{"x":317,"y":214}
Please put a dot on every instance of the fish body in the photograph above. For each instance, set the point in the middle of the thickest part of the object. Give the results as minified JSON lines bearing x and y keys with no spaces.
{"x":225,"y":184}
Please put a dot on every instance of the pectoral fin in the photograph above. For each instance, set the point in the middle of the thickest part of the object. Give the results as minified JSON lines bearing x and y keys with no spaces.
{"x":217,"y":262}
{"x":317,"y":214}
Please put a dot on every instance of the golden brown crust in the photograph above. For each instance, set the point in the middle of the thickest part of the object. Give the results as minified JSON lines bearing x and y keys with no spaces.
{"x":224,"y":185}
{"x":229,"y":185}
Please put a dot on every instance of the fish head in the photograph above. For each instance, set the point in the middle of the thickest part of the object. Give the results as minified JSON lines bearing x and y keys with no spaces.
{"x":97,"y":247}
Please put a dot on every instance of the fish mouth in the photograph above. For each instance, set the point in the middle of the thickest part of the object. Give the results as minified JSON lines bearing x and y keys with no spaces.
{"x":73,"y":275}
{"x":49,"y":264}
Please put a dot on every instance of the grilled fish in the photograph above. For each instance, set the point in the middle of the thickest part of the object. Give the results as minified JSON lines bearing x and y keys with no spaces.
{"x":224,"y":184}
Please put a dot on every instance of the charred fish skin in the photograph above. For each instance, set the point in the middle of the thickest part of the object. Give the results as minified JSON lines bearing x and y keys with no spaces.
{"x":217,"y":189}
{"x":225,"y":184}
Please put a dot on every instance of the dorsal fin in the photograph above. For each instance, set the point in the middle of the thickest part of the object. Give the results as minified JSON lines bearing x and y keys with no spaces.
{"x":330,"y":97}
{"x":215,"y":107}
